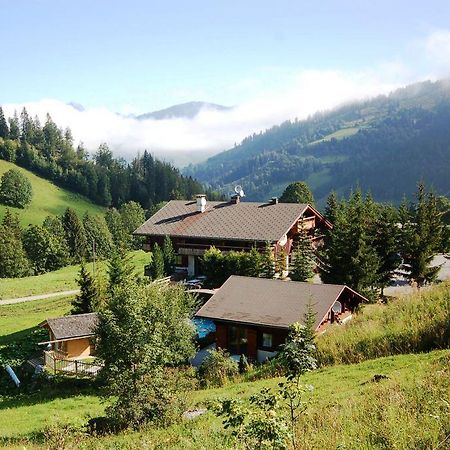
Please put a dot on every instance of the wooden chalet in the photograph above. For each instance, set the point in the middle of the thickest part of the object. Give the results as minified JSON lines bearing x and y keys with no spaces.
{"x":253,"y":315}
{"x":195,"y":226}
{"x":72,"y":337}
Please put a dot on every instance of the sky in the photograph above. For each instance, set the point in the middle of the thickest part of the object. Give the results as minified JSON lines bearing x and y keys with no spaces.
{"x":271,"y":60}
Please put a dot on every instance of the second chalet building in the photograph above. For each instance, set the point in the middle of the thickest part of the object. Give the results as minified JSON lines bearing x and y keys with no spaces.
{"x":195,"y":226}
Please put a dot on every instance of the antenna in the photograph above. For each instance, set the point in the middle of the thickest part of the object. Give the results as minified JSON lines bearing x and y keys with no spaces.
{"x":337,"y":307}
{"x":239,"y":191}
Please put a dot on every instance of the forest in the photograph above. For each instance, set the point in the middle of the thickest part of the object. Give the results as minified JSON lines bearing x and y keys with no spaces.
{"x":366,"y":144}
{"x":50,"y":152}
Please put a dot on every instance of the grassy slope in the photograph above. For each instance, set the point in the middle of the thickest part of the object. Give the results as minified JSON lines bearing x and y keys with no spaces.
{"x":342,"y":393}
{"x":48,"y":199}
{"x":59,"y":280}
{"x":409,"y":409}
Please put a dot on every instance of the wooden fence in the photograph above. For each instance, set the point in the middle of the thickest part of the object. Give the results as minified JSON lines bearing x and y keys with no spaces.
{"x":69,"y":366}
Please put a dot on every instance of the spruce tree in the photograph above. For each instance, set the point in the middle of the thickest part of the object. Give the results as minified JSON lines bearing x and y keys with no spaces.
{"x":280,"y":262}
{"x":75,"y":235}
{"x":168,"y":255}
{"x":157,"y":268}
{"x":331,"y":209}
{"x":304,"y":260}
{"x":4,"y":129}
{"x":120,"y":270}
{"x":267,"y":262}
{"x":14,"y":128}
{"x":422,"y":238}
{"x":86,"y":301}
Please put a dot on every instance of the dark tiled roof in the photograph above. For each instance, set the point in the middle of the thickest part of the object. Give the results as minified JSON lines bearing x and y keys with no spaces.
{"x":224,"y":220}
{"x":69,"y":327}
{"x":268,"y":302}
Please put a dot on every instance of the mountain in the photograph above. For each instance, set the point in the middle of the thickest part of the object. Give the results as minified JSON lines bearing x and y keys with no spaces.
{"x":384,"y":145}
{"x":183,"y":111}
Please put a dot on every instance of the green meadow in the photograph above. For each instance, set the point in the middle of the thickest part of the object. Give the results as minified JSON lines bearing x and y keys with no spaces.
{"x":48,"y":199}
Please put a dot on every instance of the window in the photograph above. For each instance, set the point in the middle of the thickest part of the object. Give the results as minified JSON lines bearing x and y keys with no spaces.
{"x":237,"y":340}
{"x":267,"y":340}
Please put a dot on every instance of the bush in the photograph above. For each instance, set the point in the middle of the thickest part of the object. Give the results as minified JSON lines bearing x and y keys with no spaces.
{"x":217,"y":368}
{"x":15,"y":189}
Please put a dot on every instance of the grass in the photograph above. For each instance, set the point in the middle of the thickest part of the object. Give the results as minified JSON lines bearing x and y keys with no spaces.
{"x":413,"y":323}
{"x":404,"y":410}
{"x":60,"y":280}
{"x":339,"y":134}
{"x":48,"y":199}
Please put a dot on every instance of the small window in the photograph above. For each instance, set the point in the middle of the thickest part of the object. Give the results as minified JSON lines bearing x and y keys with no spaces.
{"x":178,"y":260}
{"x":267,"y":340}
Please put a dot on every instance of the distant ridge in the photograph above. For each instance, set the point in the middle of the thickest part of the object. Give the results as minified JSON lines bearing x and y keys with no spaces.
{"x":182,"y":111}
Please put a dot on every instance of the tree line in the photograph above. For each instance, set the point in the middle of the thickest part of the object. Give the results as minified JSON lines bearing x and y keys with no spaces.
{"x":49,"y":151}
{"x":66,"y":239}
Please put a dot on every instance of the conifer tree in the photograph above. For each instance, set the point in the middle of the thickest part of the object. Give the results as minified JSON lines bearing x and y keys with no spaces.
{"x":75,"y":235}
{"x":168,"y":255}
{"x":14,"y":129}
{"x":280,"y":262}
{"x":98,"y":236}
{"x":267,"y":262}
{"x":304,"y":260}
{"x":4,"y":129}
{"x":120,"y":270}
{"x":331,"y":209}
{"x":157,"y":267}
{"x":88,"y":298}
{"x":423,"y":236}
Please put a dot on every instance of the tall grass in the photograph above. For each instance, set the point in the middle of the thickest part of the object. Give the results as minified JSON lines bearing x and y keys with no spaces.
{"x":415,"y":323}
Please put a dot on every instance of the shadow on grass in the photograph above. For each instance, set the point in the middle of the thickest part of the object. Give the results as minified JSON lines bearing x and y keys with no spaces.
{"x":18,"y":336}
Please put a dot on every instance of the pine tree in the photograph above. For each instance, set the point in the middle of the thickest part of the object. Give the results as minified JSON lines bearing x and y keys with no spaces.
{"x":4,"y":129}
{"x":423,"y":238}
{"x":168,"y":255}
{"x":14,"y":129}
{"x":157,"y":268}
{"x":304,"y":260}
{"x":267,"y":262}
{"x":86,"y":301}
{"x":120,"y":270}
{"x":75,"y":235}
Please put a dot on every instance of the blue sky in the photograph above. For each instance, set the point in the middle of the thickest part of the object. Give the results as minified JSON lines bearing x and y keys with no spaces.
{"x":273,"y":60}
{"x":147,"y":54}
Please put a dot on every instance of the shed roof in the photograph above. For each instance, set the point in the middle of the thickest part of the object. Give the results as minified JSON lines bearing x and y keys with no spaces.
{"x":249,"y":221}
{"x":70,"y":327}
{"x":270,"y":302}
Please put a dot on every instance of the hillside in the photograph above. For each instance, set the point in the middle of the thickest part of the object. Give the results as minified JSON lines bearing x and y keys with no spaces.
{"x":384,"y":145}
{"x":47,"y":199}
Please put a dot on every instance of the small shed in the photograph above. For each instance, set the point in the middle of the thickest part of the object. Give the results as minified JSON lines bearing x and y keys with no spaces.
{"x":72,"y":336}
{"x":253,"y":315}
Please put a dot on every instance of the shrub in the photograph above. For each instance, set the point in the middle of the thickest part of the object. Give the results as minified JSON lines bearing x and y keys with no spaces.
{"x":217,"y":368}
{"x":15,"y":189}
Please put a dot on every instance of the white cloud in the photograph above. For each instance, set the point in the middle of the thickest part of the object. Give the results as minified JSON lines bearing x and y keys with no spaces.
{"x":298,"y":94}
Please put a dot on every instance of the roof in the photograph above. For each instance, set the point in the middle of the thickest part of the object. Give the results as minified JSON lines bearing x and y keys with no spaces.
{"x":270,"y":302}
{"x":246,"y":221}
{"x":75,"y":326}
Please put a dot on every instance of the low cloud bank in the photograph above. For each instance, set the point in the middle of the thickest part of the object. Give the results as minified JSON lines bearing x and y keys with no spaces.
{"x":182,"y":141}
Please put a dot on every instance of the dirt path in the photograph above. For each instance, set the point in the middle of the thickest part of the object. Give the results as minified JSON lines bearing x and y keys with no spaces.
{"x":12,"y":301}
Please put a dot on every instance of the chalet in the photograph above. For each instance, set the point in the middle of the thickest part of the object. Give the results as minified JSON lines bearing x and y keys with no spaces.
{"x":72,"y":336}
{"x":253,"y":315}
{"x":195,"y":226}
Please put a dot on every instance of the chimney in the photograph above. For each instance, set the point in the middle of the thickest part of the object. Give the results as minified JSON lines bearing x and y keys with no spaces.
{"x":273,"y":201}
{"x":201,"y":202}
{"x":235,"y":199}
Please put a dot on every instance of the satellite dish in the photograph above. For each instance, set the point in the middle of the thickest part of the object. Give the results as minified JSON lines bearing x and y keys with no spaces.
{"x":337,"y":307}
{"x":283,"y":240}
{"x":239,"y":191}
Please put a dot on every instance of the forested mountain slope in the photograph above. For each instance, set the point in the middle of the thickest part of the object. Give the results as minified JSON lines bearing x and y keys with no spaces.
{"x":384,"y":145}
